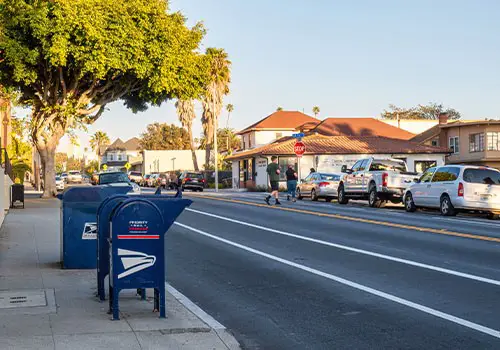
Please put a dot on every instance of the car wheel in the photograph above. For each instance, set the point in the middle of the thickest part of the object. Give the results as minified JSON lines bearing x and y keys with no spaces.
{"x":446,"y":208}
{"x":314,"y":196}
{"x":299,"y":196}
{"x":409,"y":203}
{"x":201,"y":190}
{"x":341,"y":195}
{"x":373,"y":199}
{"x":493,"y":216}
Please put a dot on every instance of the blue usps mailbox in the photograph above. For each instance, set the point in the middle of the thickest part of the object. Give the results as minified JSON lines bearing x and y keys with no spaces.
{"x":78,"y":224}
{"x":104,"y":215}
{"x":137,"y":247}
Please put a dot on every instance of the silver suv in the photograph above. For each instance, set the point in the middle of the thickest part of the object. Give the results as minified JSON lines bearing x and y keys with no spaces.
{"x":454,"y":188}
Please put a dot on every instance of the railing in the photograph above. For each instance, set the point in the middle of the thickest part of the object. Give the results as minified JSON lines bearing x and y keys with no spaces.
{"x":7,"y":165}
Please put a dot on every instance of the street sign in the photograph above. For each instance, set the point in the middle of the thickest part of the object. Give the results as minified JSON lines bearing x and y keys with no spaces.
{"x":299,"y":148}
{"x":128,"y":166}
{"x":298,"y":135}
{"x":104,"y":167}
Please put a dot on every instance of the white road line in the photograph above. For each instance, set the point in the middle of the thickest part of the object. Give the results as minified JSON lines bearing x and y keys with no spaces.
{"x":352,"y":249}
{"x":493,"y":332}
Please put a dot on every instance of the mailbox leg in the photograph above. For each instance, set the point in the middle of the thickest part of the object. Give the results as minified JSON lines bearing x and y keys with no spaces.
{"x":100,"y":286}
{"x":160,"y":301}
{"x":114,"y":306}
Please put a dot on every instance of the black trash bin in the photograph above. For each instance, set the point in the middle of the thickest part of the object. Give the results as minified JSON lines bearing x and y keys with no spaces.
{"x":16,"y":195}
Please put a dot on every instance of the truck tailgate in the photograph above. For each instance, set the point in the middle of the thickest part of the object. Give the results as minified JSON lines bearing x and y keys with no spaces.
{"x":398,"y":180}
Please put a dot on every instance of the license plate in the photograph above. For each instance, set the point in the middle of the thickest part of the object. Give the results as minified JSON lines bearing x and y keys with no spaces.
{"x":485,"y":197}
{"x":195,"y":180}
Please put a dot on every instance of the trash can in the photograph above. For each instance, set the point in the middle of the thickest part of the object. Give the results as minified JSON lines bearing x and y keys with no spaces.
{"x":79,"y":224}
{"x":137,"y":247}
{"x":16,"y":195}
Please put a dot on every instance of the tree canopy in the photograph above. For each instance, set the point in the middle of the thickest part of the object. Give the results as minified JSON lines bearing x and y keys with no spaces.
{"x":68,"y":59}
{"x":430,"y":111}
{"x":164,"y":137}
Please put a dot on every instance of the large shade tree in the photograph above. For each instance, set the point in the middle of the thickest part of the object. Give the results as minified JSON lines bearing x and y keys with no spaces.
{"x":68,"y":59}
{"x":430,"y":111}
{"x":164,"y":137}
{"x":213,"y":98}
{"x":186,"y":114}
{"x":97,"y":141}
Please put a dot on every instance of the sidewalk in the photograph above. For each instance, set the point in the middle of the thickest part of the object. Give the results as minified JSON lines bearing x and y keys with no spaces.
{"x":45,"y":307}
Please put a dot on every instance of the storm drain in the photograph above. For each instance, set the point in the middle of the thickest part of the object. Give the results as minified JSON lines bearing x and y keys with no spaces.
{"x":22,"y":298}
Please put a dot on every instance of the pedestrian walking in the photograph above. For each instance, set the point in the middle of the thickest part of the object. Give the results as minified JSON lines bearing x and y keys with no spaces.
{"x":273,"y":170}
{"x":291,"y":182}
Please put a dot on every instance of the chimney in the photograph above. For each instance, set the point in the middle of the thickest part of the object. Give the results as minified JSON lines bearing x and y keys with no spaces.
{"x":443,"y":118}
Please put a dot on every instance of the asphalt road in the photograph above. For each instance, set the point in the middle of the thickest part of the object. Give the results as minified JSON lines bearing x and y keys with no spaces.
{"x":323,"y":276}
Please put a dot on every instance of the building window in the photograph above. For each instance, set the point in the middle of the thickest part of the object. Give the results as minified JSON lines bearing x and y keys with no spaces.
{"x":454,"y":144}
{"x":476,"y":142}
{"x":423,"y":165}
{"x":119,"y":157}
{"x":279,"y":135}
{"x":434,"y":142}
{"x":249,"y":142}
{"x":110,"y":157}
{"x":283,"y":162}
{"x":492,"y":143}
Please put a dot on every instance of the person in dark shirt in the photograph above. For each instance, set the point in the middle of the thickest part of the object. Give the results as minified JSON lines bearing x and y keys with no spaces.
{"x":291,"y":182}
{"x":273,"y":170}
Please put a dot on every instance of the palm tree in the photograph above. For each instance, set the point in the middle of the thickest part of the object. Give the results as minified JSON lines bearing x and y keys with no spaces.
{"x":316,"y":110}
{"x":229,"y":109}
{"x":99,"y":139}
{"x":186,"y":114}
{"x":218,"y":86}
{"x":279,"y":109}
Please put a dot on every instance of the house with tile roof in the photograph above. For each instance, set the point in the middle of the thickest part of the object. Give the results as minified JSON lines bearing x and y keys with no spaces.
{"x":273,"y":127}
{"x":329,"y":145}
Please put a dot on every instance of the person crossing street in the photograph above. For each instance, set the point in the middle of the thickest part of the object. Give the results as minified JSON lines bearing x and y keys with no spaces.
{"x":291,"y":182}
{"x":273,"y":170}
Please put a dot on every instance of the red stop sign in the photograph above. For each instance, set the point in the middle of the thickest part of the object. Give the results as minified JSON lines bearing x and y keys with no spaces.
{"x":299,"y":148}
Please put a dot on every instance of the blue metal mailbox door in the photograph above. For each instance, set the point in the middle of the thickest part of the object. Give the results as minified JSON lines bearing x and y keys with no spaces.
{"x":137,"y":251}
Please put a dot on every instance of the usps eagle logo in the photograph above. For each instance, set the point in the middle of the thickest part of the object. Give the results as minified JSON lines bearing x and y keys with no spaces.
{"x":134,"y":261}
{"x":89,"y":230}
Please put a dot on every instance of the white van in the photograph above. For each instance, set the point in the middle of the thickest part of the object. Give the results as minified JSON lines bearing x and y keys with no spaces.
{"x":454,"y":188}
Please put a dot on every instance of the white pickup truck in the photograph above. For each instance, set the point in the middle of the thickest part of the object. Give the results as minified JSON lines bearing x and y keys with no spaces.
{"x":378,"y":180}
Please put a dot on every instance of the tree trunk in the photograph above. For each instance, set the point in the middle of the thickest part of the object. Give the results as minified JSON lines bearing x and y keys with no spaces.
{"x":48,"y":156}
{"x":193,"y":153}
{"x":207,"y":156}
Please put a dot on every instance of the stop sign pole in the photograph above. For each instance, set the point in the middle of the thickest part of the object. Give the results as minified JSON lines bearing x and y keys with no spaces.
{"x":299,"y":148}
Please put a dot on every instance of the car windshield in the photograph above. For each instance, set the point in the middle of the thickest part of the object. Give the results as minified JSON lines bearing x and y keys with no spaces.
{"x":330,"y":177}
{"x":64,"y":174}
{"x":135,"y":173}
{"x":110,"y":178}
{"x":74,"y":172}
{"x":147,"y":176}
{"x":58,"y":178}
{"x":194,"y":176}
{"x":390,"y":165}
{"x":482,"y":176}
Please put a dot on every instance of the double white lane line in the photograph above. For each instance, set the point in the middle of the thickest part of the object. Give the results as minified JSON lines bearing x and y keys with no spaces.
{"x":387,"y":296}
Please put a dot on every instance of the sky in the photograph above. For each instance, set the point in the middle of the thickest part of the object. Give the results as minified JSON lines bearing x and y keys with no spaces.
{"x":350,"y":58}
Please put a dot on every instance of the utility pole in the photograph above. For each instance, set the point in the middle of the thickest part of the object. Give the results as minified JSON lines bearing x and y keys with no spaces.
{"x":215,"y":148}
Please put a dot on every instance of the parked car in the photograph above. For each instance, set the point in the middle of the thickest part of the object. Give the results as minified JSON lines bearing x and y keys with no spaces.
{"x":319,"y":185}
{"x":117,"y":178}
{"x":64,"y":176}
{"x":135,"y":176}
{"x":94,"y":179}
{"x":74,"y":176}
{"x":455,"y":188}
{"x":377,"y":180}
{"x":153,"y":180}
{"x":59,"y":183}
{"x":144,"y":181}
{"x":191,"y":180}
{"x":86,"y":178}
